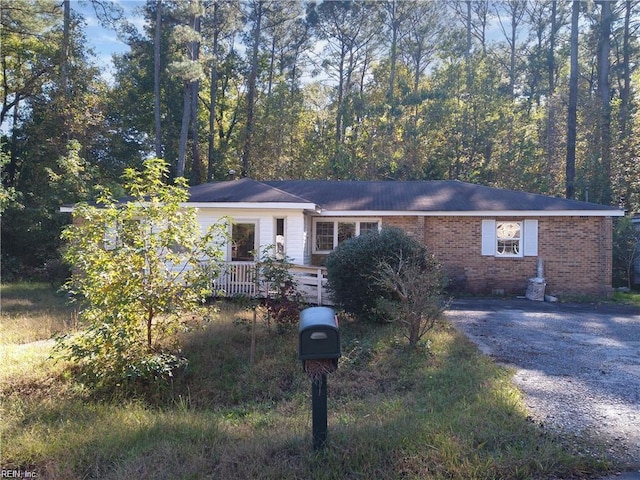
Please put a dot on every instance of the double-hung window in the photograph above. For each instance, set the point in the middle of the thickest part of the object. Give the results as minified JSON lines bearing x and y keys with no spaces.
{"x":329,"y":233}
{"x":510,"y":238}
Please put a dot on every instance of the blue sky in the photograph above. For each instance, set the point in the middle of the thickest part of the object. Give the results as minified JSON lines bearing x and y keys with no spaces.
{"x":103,"y":41}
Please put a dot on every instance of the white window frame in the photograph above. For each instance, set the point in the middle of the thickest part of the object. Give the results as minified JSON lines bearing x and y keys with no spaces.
{"x":511,"y":237}
{"x":256,"y":238}
{"x":528,"y":240}
{"x":280,"y":241}
{"x":336,"y":221}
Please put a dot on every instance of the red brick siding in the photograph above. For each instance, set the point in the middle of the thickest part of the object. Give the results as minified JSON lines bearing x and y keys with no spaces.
{"x":412,"y":226}
{"x":576,"y":252}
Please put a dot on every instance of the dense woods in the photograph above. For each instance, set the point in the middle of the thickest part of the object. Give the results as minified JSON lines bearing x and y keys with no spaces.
{"x":529,"y":95}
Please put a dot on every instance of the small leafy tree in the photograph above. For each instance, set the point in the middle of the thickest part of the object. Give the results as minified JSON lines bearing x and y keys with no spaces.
{"x":416,"y":284}
{"x":140,"y":267}
{"x":283,"y":301}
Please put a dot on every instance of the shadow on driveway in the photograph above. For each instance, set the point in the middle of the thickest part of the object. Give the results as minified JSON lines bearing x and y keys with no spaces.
{"x":578,"y":365}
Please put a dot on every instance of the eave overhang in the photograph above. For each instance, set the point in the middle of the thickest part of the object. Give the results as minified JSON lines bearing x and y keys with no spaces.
{"x":478,"y":213}
{"x":253,"y":205}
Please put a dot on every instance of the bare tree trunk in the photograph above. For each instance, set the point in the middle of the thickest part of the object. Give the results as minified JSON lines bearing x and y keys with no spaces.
{"x":341,"y":83}
{"x":392,"y":8}
{"x":66,"y":48}
{"x":156,"y":80}
{"x":149,"y":327}
{"x":211,"y":154}
{"x":196,"y":170}
{"x":196,"y":174}
{"x":626,"y":71}
{"x":64,"y":67}
{"x":573,"y":104}
{"x":251,"y":92}
{"x":551,"y":59}
{"x":605,"y":98}
{"x":11,"y":169}
{"x":467,"y":55}
{"x":184,"y":129}
{"x":190,"y":106}
{"x":516,"y":10}
{"x":551,"y":73}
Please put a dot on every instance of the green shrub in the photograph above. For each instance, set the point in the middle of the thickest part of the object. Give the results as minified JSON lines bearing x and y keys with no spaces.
{"x":350,"y":268}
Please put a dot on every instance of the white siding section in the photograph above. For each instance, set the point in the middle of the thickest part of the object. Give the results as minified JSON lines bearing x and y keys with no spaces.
{"x":265,"y":221}
{"x":294,"y":237}
{"x":307,"y":238}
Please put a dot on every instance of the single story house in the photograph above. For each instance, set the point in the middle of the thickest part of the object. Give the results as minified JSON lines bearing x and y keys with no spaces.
{"x":489,"y":240}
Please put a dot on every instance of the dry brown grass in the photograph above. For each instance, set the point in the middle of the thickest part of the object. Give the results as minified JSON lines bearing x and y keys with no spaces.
{"x":33,"y":311}
{"x":430,"y":413}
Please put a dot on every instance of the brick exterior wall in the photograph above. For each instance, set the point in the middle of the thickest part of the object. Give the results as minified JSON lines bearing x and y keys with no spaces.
{"x":576,"y":252}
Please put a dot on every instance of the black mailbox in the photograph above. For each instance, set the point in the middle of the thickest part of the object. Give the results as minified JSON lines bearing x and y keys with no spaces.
{"x":319,"y":335}
{"x":319,"y":350}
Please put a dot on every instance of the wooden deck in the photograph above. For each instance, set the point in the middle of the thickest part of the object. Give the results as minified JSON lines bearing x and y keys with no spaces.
{"x":242,"y":278}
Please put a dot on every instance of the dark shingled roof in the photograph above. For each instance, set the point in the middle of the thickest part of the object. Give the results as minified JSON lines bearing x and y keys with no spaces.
{"x":410,"y":196}
{"x":243,"y":190}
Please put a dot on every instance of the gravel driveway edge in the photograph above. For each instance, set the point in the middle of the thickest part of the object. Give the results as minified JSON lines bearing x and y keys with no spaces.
{"x":577,"y":365}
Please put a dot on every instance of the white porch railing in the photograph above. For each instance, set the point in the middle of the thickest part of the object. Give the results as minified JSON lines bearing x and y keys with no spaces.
{"x":238,"y":278}
{"x":312,"y":284}
{"x":241,"y":278}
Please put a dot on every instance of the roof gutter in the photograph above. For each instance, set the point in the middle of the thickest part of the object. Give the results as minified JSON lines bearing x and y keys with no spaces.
{"x":254,"y":205}
{"x":474,"y":213}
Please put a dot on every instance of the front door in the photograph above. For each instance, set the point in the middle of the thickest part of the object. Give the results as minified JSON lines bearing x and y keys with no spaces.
{"x":243,"y":242}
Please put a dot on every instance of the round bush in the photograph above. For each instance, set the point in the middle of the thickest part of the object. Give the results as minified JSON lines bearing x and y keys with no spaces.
{"x":349,"y":268}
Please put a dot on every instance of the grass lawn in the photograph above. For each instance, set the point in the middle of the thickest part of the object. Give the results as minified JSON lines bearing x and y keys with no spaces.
{"x":627,"y":298}
{"x":440,"y":411}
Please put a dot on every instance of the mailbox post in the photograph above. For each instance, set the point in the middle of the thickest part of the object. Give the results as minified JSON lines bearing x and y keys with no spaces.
{"x":319,"y":350}
{"x":319,"y":412}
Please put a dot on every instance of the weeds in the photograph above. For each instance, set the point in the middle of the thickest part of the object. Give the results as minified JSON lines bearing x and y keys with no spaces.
{"x":627,"y":298}
{"x":438,"y":411}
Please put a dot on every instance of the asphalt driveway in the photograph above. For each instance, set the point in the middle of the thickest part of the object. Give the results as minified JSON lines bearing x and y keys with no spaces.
{"x":578,"y":365}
